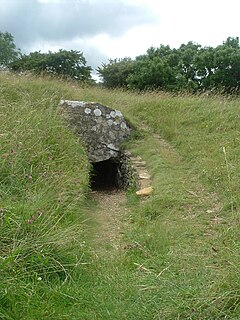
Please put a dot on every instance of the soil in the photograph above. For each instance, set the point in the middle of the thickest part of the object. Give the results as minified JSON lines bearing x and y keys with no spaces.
{"x":111,"y":217}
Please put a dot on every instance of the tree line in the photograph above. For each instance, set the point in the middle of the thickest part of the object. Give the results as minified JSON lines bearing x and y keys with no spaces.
{"x":69,"y":64}
{"x":190,"y":67}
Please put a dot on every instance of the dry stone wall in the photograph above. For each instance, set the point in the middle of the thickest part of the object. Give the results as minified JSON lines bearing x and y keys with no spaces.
{"x":101,"y":128}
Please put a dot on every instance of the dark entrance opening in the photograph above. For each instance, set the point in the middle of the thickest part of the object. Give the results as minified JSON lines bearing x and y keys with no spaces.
{"x":105,"y":175}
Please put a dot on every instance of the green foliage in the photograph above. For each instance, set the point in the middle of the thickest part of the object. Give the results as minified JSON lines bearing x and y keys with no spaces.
{"x":190,"y":67}
{"x":115,"y":73}
{"x":8,"y":50}
{"x":227,"y":65}
{"x":69,"y":64}
{"x":151,"y":74}
{"x":179,"y":255}
{"x":43,"y":178}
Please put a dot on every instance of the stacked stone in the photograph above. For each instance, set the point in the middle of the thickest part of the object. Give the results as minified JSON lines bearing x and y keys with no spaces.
{"x":143,"y":177}
{"x":102,"y":129}
{"x":127,"y":173}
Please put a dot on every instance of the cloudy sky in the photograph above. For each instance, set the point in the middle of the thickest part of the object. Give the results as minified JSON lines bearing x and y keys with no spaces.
{"x":104,"y":29}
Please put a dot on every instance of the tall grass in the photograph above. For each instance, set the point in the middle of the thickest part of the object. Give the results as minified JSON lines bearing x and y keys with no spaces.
{"x":43,"y":178}
{"x":181,"y":253}
{"x":188,"y":231}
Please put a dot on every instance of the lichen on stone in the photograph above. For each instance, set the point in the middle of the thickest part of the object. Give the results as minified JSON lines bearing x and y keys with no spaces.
{"x":102,"y":129}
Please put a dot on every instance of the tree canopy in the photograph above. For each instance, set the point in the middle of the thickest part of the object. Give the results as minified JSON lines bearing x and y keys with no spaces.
{"x":70,"y":64}
{"x":8,"y":50}
{"x":190,"y":67}
{"x":116,"y":72}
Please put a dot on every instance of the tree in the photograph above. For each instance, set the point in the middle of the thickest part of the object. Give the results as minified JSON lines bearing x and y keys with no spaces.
{"x":69,"y":64}
{"x":8,"y":50}
{"x":226,"y":75}
{"x":154,"y":73}
{"x":115,"y":73}
{"x":190,"y":67}
{"x":205,"y":66}
{"x":219,"y":68}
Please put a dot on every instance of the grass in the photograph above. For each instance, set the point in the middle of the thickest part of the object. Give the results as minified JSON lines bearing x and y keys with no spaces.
{"x":43,"y":174}
{"x":181,"y":258}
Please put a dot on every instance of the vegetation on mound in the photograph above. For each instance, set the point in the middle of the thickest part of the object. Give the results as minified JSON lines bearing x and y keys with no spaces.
{"x":181,"y":250}
{"x":43,"y":177}
{"x":186,"y":236}
{"x":190,"y":67}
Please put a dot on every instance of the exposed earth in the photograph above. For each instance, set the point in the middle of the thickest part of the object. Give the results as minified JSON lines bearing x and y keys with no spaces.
{"x":111,"y":217}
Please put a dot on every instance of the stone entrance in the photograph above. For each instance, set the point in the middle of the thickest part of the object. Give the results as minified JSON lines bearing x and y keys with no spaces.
{"x":102,"y":131}
{"x":114,"y":173}
{"x":105,"y":175}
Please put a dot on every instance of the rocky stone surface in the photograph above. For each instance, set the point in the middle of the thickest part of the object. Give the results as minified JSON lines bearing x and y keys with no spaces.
{"x":145,"y":191}
{"x":143,"y":178}
{"x":101,"y":128}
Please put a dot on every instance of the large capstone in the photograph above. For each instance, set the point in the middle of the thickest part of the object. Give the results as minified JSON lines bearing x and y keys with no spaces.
{"x":101,"y":128}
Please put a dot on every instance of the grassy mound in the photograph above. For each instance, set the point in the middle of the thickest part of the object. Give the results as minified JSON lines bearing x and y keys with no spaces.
{"x":181,"y":251}
{"x":190,"y":227}
{"x":43,"y":177}
{"x":184,"y":242}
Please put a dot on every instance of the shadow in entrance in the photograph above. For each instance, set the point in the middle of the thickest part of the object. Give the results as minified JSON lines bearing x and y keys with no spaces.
{"x":105,"y":175}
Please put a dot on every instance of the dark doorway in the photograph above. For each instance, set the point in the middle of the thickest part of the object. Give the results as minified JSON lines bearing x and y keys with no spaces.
{"x":105,"y":175}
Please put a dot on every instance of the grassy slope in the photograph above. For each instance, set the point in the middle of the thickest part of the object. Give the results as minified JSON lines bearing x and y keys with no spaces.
{"x":182,"y":257}
{"x":43,"y":175}
{"x":189,"y":229}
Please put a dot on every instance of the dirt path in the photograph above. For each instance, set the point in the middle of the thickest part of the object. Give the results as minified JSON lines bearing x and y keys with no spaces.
{"x":111,"y":221}
{"x":111,"y":216}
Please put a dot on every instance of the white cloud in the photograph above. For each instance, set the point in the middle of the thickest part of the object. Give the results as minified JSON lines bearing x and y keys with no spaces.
{"x":178,"y":22}
{"x":92,"y":54}
{"x":134,"y":42}
{"x":54,"y":20}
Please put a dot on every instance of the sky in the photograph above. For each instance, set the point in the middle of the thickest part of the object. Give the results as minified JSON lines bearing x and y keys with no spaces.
{"x":109,"y":29}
